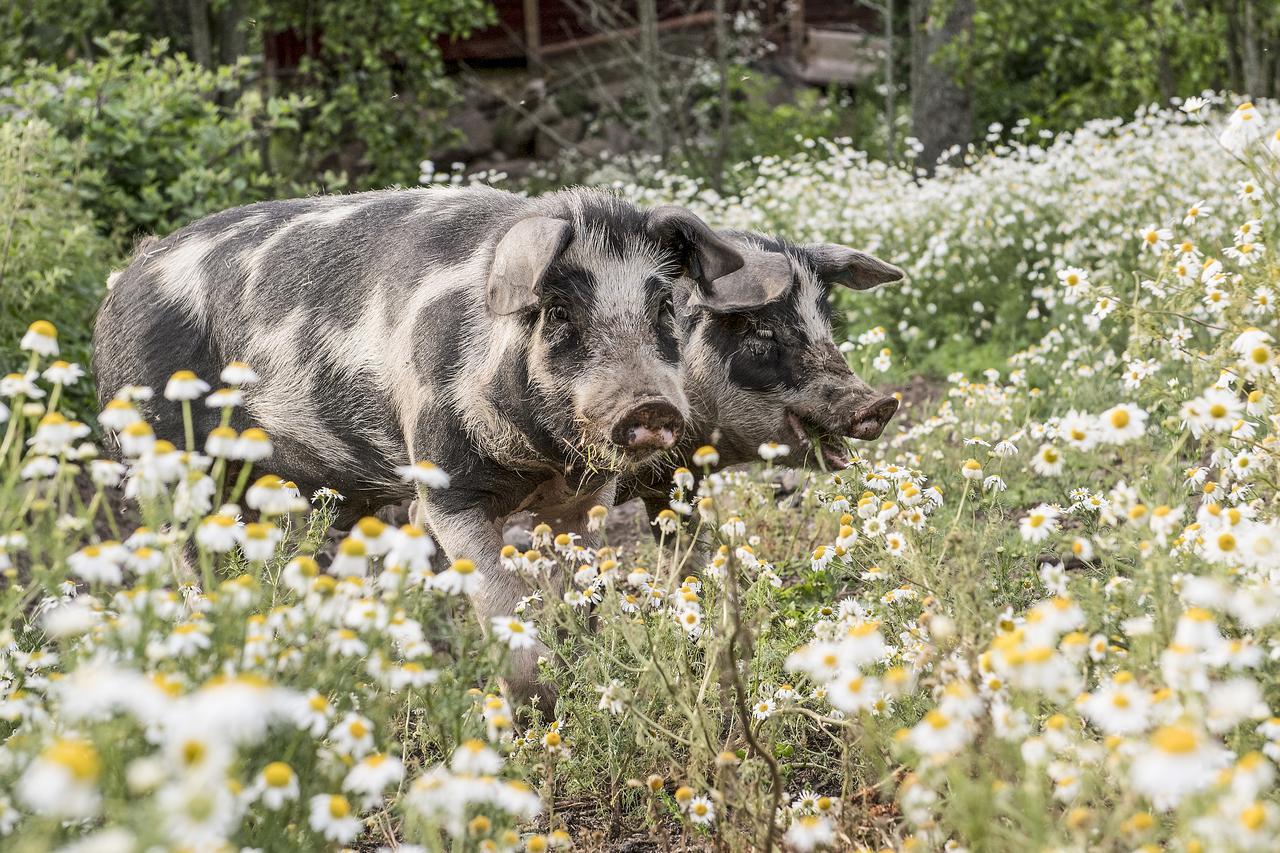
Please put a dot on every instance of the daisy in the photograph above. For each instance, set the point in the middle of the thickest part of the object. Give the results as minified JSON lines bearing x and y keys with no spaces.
{"x":1121,"y":424}
{"x":424,"y":473}
{"x":137,"y":439}
{"x":62,"y":782}
{"x":269,"y":495}
{"x":353,"y":735}
{"x":1194,"y":105}
{"x":1037,"y":525}
{"x":1048,"y":461}
{"x":238,"y":373}
{"x":117,"y":415}
{"x":258,"y":541}
{"x":331,"y":816}
{"x":95,"y":564}
{"x":276,"y":785}
{"x":1243,"y":128}
{"x":938,"y":734}
{"x":772,"y":450}
{"x":372,"y":775}
{"x":225,"y":398}
{"x":706,"y":457}
{"x":1194,"y":212}
{"x":1155,"y":238}
{"x":515,"y":633}
{"x":701,"y":811}
{"x":41,"y":338}
{"x":184,"y":386}
{"x":861,"y":644}
{"x":1177,"y":761}
{"x":1255,"y":350}
{"x":1075,"y":284}
{"x":475,"y":758}
{"x":63,"y":373}
{"x":253,"y":445}
{"x":1120,"y":708}
{"x":853,"y":693}
{"x":461,"y":577}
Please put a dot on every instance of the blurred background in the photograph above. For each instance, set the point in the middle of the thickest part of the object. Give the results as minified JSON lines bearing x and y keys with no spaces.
{"x":120,"y":118}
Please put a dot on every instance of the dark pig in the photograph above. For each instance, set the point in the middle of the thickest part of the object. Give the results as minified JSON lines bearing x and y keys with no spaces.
{"x":767,"y":369}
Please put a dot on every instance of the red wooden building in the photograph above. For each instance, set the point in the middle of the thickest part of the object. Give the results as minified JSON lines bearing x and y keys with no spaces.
{"x":534,"y":31}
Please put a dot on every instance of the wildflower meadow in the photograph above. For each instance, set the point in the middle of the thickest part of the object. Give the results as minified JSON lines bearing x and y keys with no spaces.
{"x":1041,"y":612}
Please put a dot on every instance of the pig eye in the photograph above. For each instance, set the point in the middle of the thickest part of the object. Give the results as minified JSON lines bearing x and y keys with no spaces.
{"x":558,"y":314}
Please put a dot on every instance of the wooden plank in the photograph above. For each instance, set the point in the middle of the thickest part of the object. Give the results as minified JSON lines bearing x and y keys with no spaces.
{"x":533,"y":37}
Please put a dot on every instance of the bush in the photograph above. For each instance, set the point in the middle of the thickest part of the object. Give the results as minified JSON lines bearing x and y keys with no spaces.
{"x":164,"y":140}
{"x":53,"y":261}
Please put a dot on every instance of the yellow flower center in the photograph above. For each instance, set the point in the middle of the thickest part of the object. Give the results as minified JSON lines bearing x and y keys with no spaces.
{"x":77,"y":756}
{"x":1175,"y":740}
{"x":339,"y":807}
{"x":277,"y":774}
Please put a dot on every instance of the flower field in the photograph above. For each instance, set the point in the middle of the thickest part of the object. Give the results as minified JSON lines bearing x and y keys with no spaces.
{"x":1043,"y":611}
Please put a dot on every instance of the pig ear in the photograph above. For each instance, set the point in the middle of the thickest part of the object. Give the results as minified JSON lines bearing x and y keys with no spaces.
{"x":521,"y":260}
{"x":764,"y":277}
{"x":841,"y":265}
{"x":708,"y":255}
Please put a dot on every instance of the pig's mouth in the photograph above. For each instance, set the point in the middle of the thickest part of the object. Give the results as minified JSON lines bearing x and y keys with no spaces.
{"x":824,"y":445}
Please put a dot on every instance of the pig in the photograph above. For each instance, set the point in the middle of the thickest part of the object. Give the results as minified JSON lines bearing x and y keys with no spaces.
{"x":526,"y":346}
{"x":766,"y":368}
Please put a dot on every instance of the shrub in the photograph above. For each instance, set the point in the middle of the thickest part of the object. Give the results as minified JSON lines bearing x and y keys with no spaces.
{"x":160,"y":140}
{"x":53,"y":261}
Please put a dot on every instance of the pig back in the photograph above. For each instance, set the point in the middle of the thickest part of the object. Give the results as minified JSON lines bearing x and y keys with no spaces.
{"x":352,"y":309}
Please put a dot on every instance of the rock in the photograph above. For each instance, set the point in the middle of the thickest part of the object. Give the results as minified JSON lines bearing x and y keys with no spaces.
{"x":475,"y":137}
{"x":551,"y":141}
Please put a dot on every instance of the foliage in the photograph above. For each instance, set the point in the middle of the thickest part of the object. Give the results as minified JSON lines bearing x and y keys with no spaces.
{"x":164,"y":140}
{"x":53,"y":262}
{"x":1060,"y":64}
{"x":374,"y":79}
{"x":57,"y":31}
{"x":370,"y":86}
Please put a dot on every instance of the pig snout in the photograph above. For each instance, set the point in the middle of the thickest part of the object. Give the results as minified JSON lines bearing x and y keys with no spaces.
{"x":652,"y":425}
{"x":870,"y":420}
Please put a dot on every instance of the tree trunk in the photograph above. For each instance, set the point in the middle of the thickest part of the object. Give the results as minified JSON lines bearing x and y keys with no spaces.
{"x":722,"y":65}
{"x":890,"y":86}
{"x":1253,"y":63}
{"x":201,"y":39}
{"x":231,"y":38}
{"x":941,"y":106}
{"x":650,"y":70}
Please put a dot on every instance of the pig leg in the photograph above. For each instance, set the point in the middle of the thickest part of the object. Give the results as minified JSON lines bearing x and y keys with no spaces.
{"x":470,"y":534}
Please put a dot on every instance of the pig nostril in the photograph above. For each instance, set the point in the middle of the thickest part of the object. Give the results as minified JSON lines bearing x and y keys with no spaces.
{"x":885,"y":408}
{"x":654,"y":425}
{"x":870,"y":421}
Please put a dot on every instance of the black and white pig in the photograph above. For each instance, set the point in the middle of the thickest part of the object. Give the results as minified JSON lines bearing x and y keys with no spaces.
{"x":526,"y":346}
{"x":766,"y":368}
